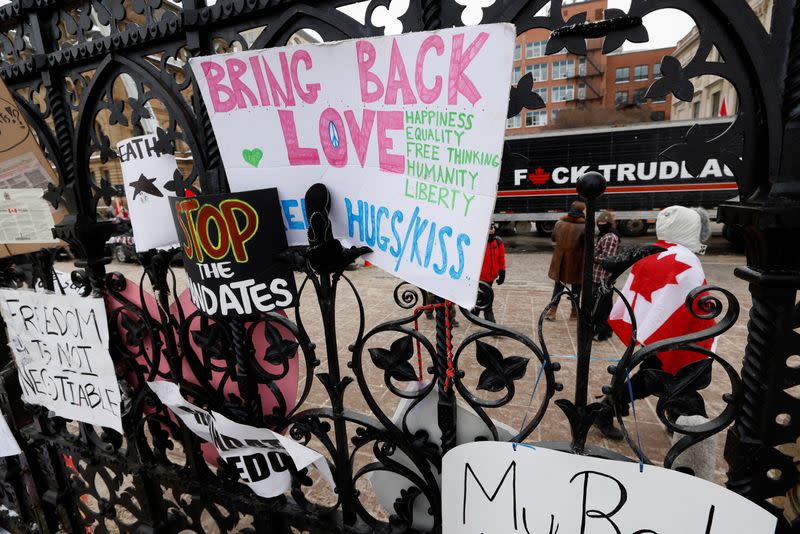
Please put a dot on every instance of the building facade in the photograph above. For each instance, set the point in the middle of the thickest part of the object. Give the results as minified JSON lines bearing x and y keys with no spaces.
{"x":585,"y":90}
{"x":713,"y":96}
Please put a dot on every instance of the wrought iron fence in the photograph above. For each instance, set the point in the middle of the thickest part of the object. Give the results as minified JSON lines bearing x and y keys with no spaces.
{"x":84,"y":71}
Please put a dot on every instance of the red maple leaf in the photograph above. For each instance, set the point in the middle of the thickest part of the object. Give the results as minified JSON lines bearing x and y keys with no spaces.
{"x":539,"y":177}
{"x":652,"y":273}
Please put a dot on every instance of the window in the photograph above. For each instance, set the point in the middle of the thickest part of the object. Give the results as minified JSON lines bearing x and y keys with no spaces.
{"x":554,"y":115}
{"x":581,"y":91}
{"x":621,"y":98}
{"x":535,"y":49}
{"x":641,"y":73}
{"x":562,"y":93}
{"x":659,"y":100}
{"x":639,"y":96}
{"x":539,"y":71}
{"x":582,"y":66}
{"x":715,"y":103}
{"x":542,"y":91}
{"x":517,"y":51}
{"x":514,"y":122}
{"x":535,"y":118}
{"x":696,"y":110}
{"x":657,"y":71}
{"x":516,"y":74}
{"x":623,"y":74}
{"x":563,"y":69}
{"x":657,"y":116}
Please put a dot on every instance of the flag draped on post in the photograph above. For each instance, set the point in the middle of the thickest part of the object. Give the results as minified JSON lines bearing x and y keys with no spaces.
{"x":656,"y":289}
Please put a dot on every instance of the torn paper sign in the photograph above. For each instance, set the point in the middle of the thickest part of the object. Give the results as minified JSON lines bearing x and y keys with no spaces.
{"x":261,"y":457}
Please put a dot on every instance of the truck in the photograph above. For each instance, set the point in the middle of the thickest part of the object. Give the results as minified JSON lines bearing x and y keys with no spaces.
{"x":538,"y":174}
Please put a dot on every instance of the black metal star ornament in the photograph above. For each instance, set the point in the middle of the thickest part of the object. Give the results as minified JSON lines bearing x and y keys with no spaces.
{"x":145,"y":185}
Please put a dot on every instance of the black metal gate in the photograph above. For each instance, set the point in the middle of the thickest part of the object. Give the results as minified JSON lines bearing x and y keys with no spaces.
{"x":80,"y":69}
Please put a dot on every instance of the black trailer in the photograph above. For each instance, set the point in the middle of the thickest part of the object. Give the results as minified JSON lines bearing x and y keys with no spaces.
{"x":539,"y":172}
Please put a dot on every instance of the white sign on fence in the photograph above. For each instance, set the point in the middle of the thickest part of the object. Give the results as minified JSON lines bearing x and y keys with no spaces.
{"x":8,"y":444}
{"x":406,"y":131}
{"x":60,"y":344}
{"x":490,"y":487}
{"x":145,"y":172}
{"x":25,"y":217}
{"x":260,"y":455}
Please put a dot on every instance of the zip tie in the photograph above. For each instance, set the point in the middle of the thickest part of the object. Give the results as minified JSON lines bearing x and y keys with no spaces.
{"x":514,"y":445}
{"x":635,"y":422}
{"x":533,"y":392}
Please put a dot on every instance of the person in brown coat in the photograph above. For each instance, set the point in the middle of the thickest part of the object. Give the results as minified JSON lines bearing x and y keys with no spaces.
{"x":566,"y":266}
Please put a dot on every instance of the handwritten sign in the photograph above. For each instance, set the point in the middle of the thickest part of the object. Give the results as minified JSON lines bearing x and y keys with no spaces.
{"x":60,"y":344}
{"x":261,"y":457}
{"x":230,"y":244}
{"x":490,"y":487}
{"x":406,"y":132}
{"x":8,"y":444}
{"x":145,"y":173}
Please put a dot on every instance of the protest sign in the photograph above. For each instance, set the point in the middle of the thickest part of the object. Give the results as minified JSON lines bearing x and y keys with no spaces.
{"x":261,"y":457}
{"x":491,"y":487}
{"x":405,"y":131}
{"x":8,"y":444}
{"x":230,"y":243}
{"x":60,"y":344}
{"x":25,"y":217}
{"x":145,"y":173}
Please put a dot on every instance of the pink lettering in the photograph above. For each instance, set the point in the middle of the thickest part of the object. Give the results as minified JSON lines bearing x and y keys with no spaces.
{"x":236,"y":69}
{"x":310,"y":92}
{"x":297,"y":154}
{"x":394,"y":163}
{"x":458,"y":82}
{"x":214,"y":73}
{"x":333,"y":137}
{"x":280,"y":93}
{"x":260,"y":83}
{"x":426,"y":94}
{"x":360,"y":136}
{"x":365,"y":57}
{"x":398,"y":79}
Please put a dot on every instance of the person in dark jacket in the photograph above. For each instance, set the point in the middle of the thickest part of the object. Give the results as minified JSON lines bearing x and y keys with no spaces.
{"x":566,"y":265}
{"x":494,"y":266}
{"x":607,"y":246}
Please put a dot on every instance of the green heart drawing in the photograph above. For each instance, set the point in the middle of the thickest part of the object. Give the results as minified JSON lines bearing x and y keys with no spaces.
{"x":253,"y":157}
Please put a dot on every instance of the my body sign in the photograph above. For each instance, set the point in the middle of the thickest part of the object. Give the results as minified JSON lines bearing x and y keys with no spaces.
{"x":405,"y":131}
{"x":262,"y":458}
{"x":60,"y":344}
{"x":488,"y":487}
{"x":230,"y":243}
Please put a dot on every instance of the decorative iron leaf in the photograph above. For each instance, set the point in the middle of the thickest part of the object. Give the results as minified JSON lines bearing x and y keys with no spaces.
{"x":280,"y":350}
{"x":523,"y":96}
{"x":673,"y":80}
{"x":615,"y":39}
{"x":500,"y":373}
{"x":395,"y":360}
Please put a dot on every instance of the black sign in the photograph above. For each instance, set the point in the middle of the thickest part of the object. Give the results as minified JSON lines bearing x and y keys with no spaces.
{"x":230,"y":243}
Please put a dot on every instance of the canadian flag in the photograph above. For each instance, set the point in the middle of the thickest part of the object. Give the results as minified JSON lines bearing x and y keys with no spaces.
{"x":656,"y":289}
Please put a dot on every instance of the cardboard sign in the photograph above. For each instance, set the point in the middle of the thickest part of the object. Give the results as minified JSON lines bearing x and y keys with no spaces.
{"x":8,"y":444}
{"x":230,"y":244}
{"x":22,"y":164}
{"x":25,"y":217}
{"x":261,"y":456}
{"x":145,"y":173}
{"x":406,"y":132}
{"x":60,"y":344}
{"x":490,"y":487}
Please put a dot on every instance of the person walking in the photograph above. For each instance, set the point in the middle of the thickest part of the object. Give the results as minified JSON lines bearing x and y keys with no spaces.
{"x":494,"y":267}
{"x":566,"y":265}
{"x":607,"y":246}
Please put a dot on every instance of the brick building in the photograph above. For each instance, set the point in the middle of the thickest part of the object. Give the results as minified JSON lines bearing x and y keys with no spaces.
{"x":573,"y":85}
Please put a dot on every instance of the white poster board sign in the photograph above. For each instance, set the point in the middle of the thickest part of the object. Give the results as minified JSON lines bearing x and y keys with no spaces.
{"x":490,"y":487}
{"x":60,"y":344}
{"x":8,"y":444}
{"x":145,"y":172}
{"x":405,"y":131}
{"x":260,"y":455}
{"x":25,"y":217}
